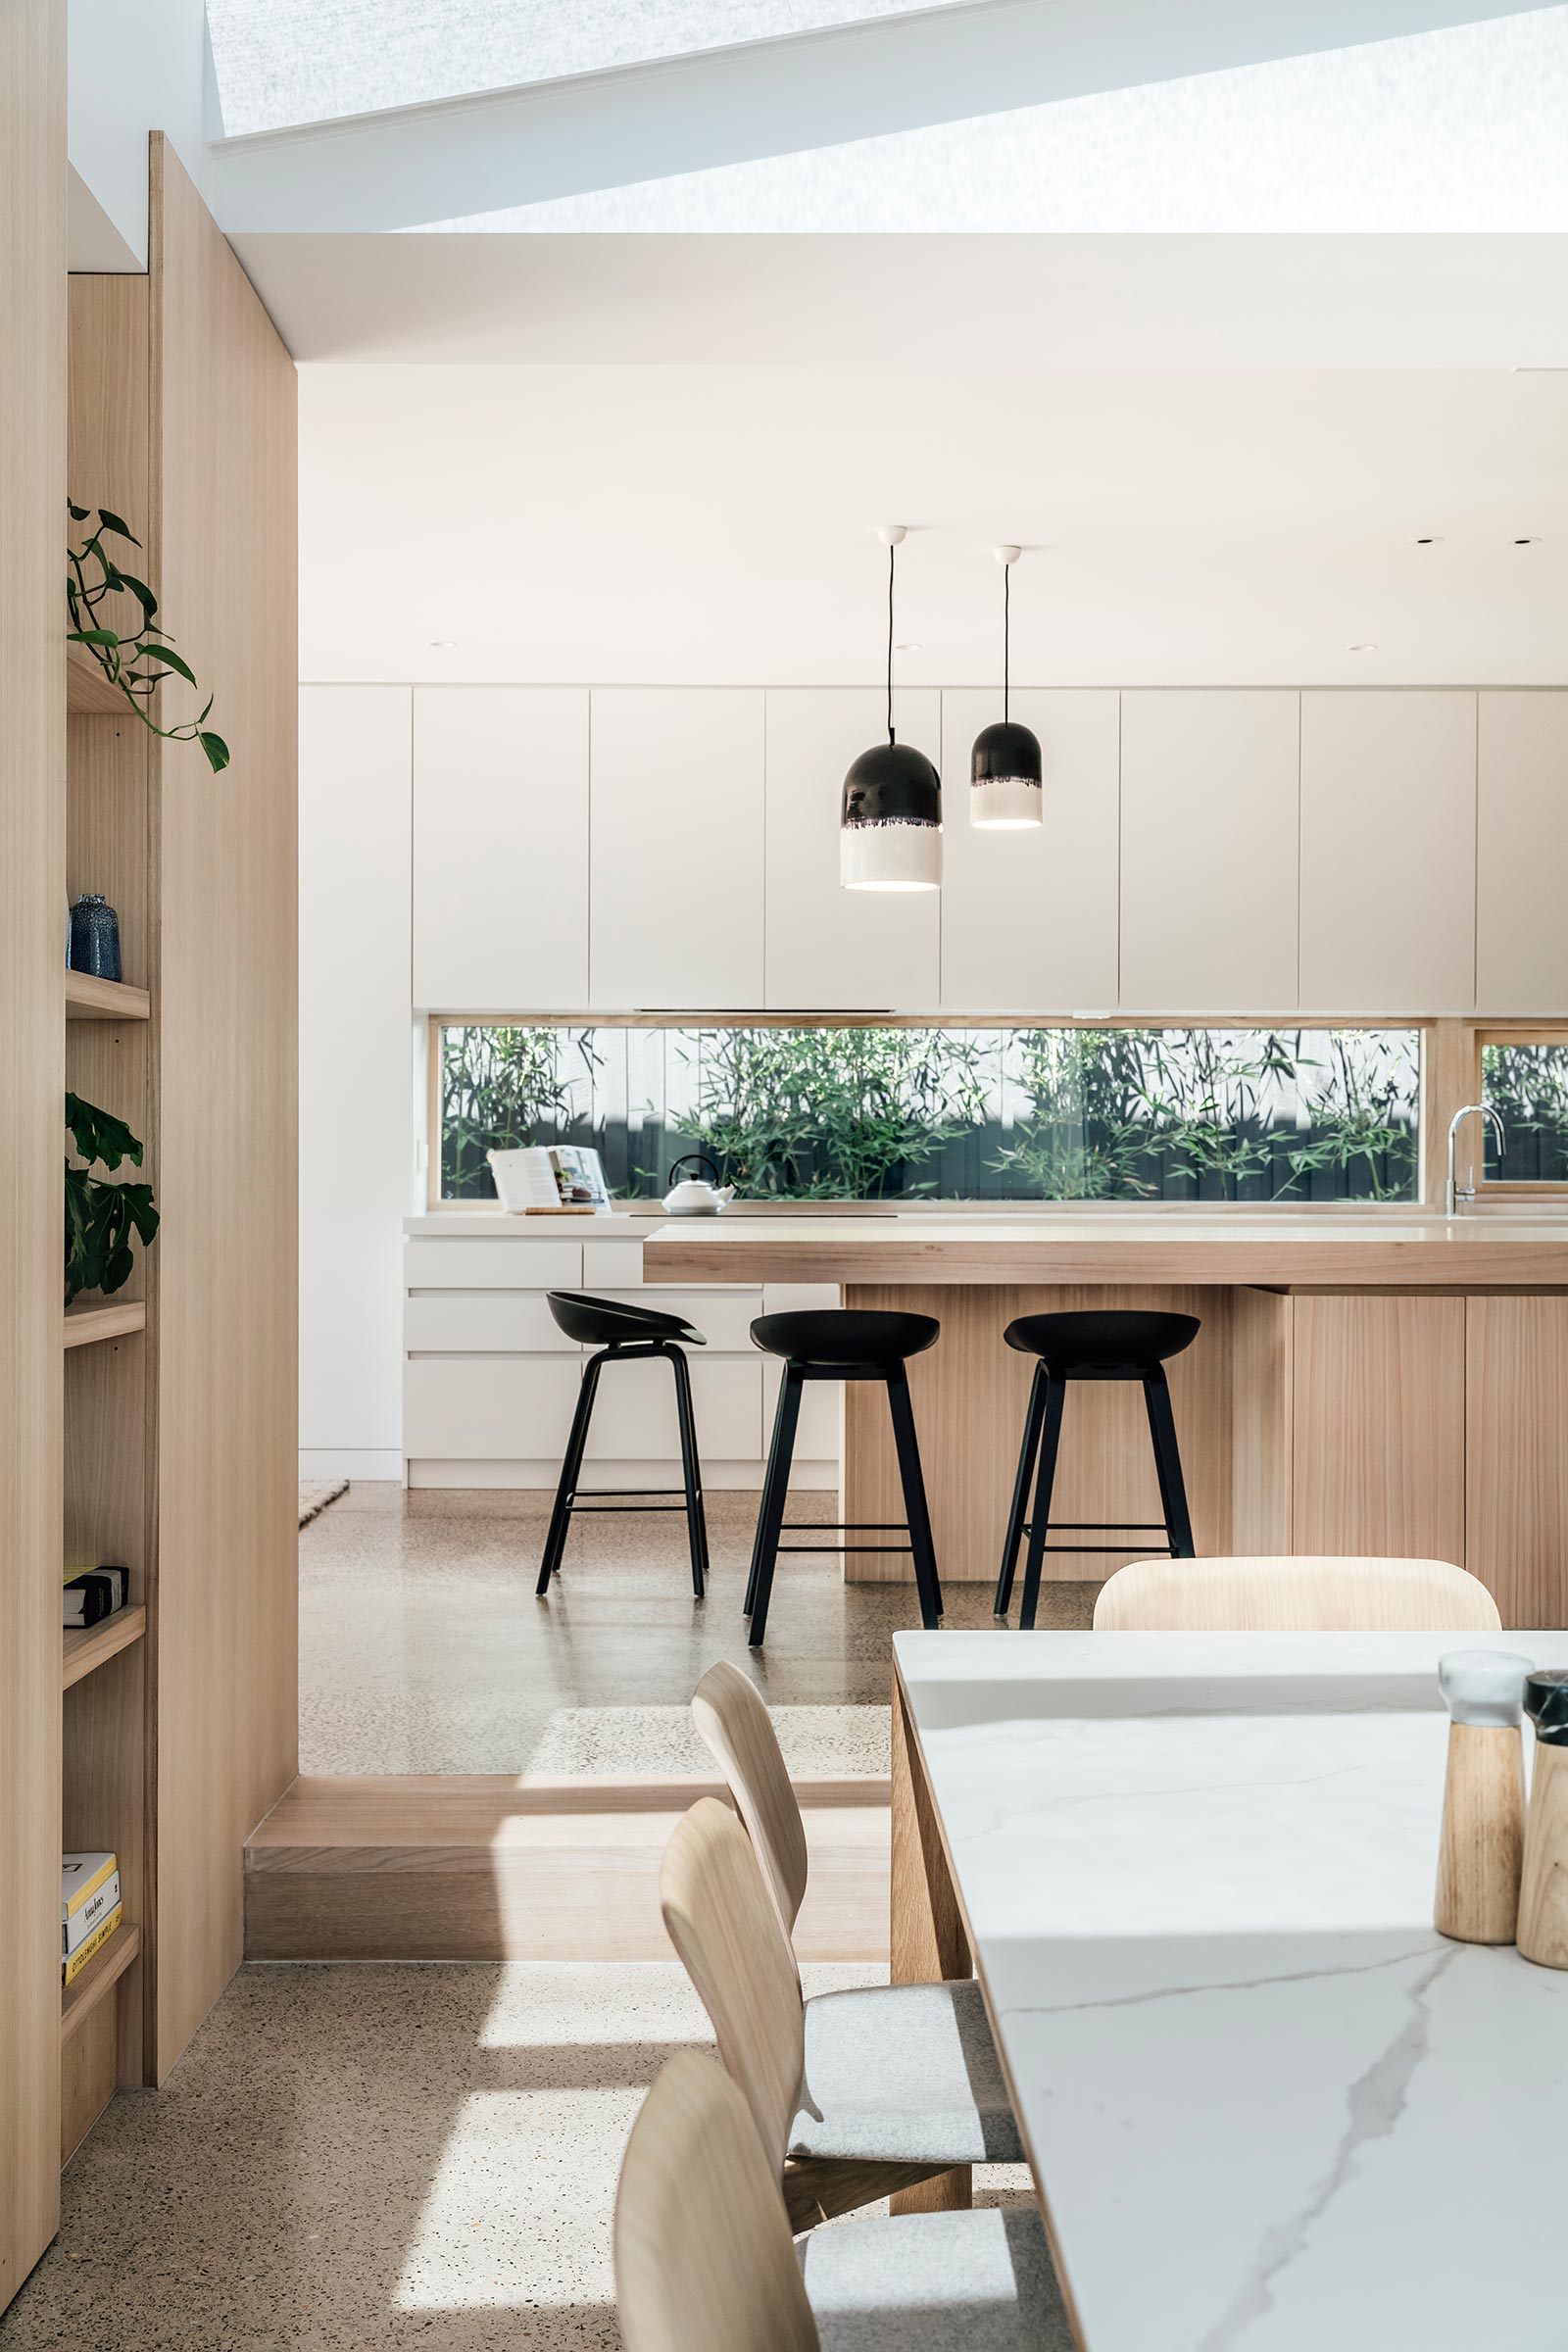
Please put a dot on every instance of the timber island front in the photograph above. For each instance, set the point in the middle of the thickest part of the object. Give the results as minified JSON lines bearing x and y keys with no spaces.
{"x":1363,"y":1382}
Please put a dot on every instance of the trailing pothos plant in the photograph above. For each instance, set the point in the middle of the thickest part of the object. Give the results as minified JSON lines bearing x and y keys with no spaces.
{"x":138,"y":662}
{"x":100,"y":1218}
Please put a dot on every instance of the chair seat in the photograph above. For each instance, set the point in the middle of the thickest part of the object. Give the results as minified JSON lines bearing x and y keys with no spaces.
{"x":845,"y":1334}
{"x":1110,"y":1344}
{"x":936,"y":2283}
{"x":905,"y":2073}
{"x":603,"y":1322}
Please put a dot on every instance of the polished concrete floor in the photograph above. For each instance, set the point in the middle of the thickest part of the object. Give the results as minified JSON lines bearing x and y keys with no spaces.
{"x":422,"y":1648}
{"x":349,"y":2158}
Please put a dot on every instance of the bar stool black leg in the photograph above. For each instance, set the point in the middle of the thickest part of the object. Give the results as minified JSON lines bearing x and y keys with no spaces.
{"x":916,"y":1516}
{"x":570,"y":1468}
{"x":770,"y":1517}
{"x":691,"y":1475}
{"x":1033,"y":1423}
{"x":1039,"y":1517}
{"x":1168,"y":1465}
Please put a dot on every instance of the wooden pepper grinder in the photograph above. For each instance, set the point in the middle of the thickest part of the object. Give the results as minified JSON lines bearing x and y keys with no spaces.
{"x":1543,"y":1895}
{"x":1481,"y":1845}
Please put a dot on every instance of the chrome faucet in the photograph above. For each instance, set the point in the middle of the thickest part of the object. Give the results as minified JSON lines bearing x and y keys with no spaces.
{"x":1467,"y":1192}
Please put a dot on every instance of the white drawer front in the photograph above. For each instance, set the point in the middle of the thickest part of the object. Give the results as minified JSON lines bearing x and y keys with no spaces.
{"x":500,"y":1408}
{"x":470,"y":1320}
{"x":818,"y":1433}
{"x":492,"y":1264}
{"x":610,"y":1261}
{"x":723,"y":1317}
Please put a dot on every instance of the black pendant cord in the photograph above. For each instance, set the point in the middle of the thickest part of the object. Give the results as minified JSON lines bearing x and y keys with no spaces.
{"x":891,"y":553}
{"x":1006,"y":651}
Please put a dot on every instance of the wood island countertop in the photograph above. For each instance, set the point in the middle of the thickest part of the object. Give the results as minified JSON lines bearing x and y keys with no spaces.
{"x":1369,"y":1250}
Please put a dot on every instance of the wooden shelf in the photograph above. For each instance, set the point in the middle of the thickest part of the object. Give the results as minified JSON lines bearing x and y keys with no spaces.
{"x":90,"y":1000}
{"x":87,"y":1646}
{"x":77,"y":2000}
{"x":87,"y":690}
{"x":104,"y":1319}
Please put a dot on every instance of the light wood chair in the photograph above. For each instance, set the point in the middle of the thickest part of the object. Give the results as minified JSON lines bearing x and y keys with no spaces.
{"x":855,"y":2094}
{"x":1297,"y":1595}
{"x":703,"y":2261}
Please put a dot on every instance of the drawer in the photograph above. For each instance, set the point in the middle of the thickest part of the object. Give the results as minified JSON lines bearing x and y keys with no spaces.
{"x":468,"y":1321}
{"x":518,"y":1408}
{"x":723,"y":1317}
{"x":490,"y":1263}
{"x":605,"y":1262}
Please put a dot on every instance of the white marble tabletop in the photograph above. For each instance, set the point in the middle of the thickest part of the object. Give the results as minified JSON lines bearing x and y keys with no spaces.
{"x":1269,"y":2107}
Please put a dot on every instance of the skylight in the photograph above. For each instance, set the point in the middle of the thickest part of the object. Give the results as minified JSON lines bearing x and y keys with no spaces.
{"x":279,"y":63}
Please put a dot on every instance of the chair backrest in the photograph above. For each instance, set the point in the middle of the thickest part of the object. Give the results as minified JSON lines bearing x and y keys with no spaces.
{"x":1295,"y":1597}
{"x":723,"y":1922}
{"x":704,"y":2260}
{"x":732,"y":1718}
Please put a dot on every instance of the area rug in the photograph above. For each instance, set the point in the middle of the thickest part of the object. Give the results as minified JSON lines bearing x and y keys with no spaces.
{"x":316,"y":1494}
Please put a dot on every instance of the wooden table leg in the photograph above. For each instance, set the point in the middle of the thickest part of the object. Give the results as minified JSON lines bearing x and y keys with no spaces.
{"x":927,"y":1942}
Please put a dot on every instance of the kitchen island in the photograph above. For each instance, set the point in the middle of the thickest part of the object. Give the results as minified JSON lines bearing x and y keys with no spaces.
{"x":1365,"y":1381}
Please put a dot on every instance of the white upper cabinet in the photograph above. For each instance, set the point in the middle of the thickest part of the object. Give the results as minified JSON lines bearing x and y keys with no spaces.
{"x":831,"y":949}
{"x":1029,"y":918}
{"x":1522,"y":838}
{"x":677,"y":847}
{"x":1388,"y":851}
{"x":1208,"y":849}
{"x":500,"y":849}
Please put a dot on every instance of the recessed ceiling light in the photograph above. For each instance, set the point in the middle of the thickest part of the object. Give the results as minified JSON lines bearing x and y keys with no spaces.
{"x":442,"y":645}
{"x":1366,"y":648}
{"x":908,"y":644}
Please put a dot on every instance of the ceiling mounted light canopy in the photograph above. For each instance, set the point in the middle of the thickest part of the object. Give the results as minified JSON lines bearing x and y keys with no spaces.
{"x":1005,"y":791}
{"x":890,"y":826}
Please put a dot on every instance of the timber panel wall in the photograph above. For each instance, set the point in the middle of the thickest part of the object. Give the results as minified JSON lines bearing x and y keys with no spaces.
{"x":32,"y":865}
{"x":225,"y":566}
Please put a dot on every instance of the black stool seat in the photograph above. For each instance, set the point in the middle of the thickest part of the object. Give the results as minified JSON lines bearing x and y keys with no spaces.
{"x":1113,"y":1343}
{"x":621,"y":1333}
{"x":611,"y":1323}
{"x":845,"y":1334}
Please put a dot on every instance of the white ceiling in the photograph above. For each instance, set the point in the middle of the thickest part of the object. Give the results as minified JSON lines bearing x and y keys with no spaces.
{"x":668,"y":523}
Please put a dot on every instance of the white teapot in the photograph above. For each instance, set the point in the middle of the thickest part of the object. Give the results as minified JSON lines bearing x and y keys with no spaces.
{"x":691,"y":1198}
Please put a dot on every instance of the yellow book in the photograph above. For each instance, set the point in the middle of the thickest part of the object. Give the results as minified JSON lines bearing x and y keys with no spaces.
{"x":81,"y":1876}
{"x":94,"y":1944}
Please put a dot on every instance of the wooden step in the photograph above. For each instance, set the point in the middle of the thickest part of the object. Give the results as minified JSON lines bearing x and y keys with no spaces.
{"x":459,"y":1866}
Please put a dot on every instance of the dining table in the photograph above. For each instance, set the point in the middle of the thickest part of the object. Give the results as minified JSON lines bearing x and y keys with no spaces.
{"x":1267,"y":2105}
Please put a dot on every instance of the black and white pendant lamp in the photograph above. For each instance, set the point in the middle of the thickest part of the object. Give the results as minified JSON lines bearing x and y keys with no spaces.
{"x":1004,"y":776}
{"x":890,"y":828}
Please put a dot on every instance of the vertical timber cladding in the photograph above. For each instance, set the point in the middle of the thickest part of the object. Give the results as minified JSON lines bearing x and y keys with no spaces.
{"x":32,"y":878}
{"x":224,"y":561}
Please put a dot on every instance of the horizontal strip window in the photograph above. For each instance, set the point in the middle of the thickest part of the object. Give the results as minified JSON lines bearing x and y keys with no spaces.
{"x":868,"y":1110}
{"x":1522,"y":1076}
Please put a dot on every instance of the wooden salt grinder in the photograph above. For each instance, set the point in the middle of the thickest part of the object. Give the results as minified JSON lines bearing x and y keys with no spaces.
{"x":1481,"y":1844}
{"x":1543,"y":1895}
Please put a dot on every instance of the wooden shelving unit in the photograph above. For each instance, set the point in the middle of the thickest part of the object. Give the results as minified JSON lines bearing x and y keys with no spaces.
{"x":78,"y":1999}
{"x":90,"y":1000}
{"x":104,"y":1319}
{"x":86,"y":687}
{"x":86,"y":1648}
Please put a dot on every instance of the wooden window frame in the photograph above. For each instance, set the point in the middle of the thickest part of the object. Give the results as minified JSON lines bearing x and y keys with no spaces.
{"x":1511,"y":1033}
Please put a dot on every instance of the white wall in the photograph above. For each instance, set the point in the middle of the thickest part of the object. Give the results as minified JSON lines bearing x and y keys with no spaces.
{"x":133,"y":66}
{"x":358,"y":1177}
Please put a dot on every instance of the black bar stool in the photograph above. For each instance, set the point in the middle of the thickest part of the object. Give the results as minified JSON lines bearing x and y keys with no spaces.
{"x":621,"y":1334}
{"x":1117,"y":1345}
{"x":837,"y":1343}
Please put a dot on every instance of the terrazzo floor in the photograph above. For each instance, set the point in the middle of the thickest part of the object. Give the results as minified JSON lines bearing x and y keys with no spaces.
{"x":349,"y":2158}
{"x":422,"y":1648}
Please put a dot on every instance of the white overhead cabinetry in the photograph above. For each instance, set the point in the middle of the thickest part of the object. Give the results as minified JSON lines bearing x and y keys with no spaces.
{"x":1522,"y":847}
{"x":1208,"y":849}
{"x":829,"y":949}
{"x":677,"y":857}
{"x":500,"y":849}
{"x":1388,"y":851}
{"x":1029,"y":918}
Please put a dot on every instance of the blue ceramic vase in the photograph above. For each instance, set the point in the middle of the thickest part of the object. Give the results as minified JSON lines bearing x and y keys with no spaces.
{"x":95,"y":937}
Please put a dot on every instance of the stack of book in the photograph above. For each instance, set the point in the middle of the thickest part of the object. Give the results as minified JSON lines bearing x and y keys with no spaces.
{"x":89,"y":1909}
{"x":91,"y":1594}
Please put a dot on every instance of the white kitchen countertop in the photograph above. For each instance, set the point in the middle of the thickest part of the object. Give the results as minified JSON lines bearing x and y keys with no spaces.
{"x":1270,"y":2109}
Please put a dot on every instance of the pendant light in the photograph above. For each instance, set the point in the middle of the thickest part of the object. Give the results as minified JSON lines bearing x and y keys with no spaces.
{"x":890,"y":829}
{"x":1004,"y":776}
